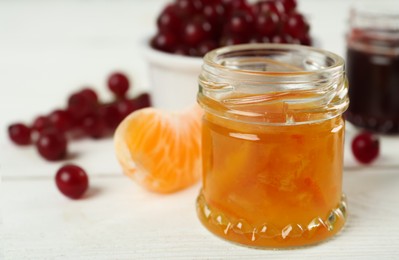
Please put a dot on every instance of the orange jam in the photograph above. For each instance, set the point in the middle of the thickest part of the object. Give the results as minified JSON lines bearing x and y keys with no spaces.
{"x":272,"y":164}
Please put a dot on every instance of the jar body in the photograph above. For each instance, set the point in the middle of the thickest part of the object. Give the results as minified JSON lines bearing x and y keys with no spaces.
{"x":276,"y":184}
{"x":372,"y":69}
{"x":272,"y":186}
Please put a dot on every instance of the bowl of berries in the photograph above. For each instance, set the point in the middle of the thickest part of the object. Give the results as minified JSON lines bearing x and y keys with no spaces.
{"x":188,"y":29}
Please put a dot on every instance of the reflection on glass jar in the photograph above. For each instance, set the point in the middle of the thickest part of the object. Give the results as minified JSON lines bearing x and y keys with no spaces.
{"x":272,"y":144}
{"x":373,"y":69}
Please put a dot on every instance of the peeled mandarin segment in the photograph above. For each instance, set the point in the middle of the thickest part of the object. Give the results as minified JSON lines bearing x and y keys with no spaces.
{"x":161,"y":150}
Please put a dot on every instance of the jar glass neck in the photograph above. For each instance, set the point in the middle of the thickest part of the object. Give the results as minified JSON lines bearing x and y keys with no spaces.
{"x":288,"y":79}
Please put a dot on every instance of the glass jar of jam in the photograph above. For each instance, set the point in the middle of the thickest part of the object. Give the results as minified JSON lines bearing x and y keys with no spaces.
{"x":272,"y":144}
{"x":373,"y":69}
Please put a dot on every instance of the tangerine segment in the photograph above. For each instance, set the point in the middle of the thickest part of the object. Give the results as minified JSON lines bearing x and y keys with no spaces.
{"x":161,"y":150}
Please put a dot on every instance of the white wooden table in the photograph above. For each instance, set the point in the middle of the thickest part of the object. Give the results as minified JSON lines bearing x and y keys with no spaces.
{"x":49,"y":49}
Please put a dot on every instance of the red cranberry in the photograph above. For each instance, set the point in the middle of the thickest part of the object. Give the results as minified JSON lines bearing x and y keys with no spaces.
{"x":82,"y":103}
{"x":72,"y":181}
{"x":296,"y":25}
{"x":284,"y":38}
{"x":60,"y":120}
{"x":234,"y":5}
{"x":90,"y":94}
{"x":208,"y":2}
{"x":94,"y":126}
{"x":289,"y":5}
{"x":267,"y":24}
{"x":365,"y":147}
{"x":230,"y":39}
{"x":240,"y":23}
{"x":118,"y":83}
{"x":261,"y":39}
{"x":193,"y":52}
{"x":267,"y":7}
{"x":182,"y":50}
{"x":213,"y":13}
{"x":196,"y":31}
{"x":110,"y":115}
{"x":205,"y":47}
{"x":20,"y":134}
{"x":164,"y":41}
{"x":188,"y":8}
{"x":305,"y":40}
{"x":168,"y":20}
{"x":52,"y":145}
{"x":143,"y":100}
{"x":125,"y":107}
{"x":41,"y":123}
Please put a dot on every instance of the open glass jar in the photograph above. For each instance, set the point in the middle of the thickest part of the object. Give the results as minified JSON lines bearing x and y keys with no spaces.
{"x":373,"y":68}
{"x":272,"y":141}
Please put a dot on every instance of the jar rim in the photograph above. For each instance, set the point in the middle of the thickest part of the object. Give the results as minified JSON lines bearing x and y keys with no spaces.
{"x":211,"y":57}
{"x":304,"y":84}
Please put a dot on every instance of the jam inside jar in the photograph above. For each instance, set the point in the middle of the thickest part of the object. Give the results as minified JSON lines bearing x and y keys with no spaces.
{"x":272,"y":144}
{"x":373,"y":69}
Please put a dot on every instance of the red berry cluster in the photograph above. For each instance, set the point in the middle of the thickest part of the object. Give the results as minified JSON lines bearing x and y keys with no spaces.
{"x":194,"y":27}
{"x":84,"y":115}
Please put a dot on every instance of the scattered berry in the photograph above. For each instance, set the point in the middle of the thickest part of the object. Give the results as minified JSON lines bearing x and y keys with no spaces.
{"x":40,"y":124}
{"x":60,"y":120}
{"x":118,"y":83}
{"x":125,"y":107}
{"x":52,"y":145}
{"x":72,"y":181}
{"x":20,"y":134}
{"x":94,"y":126}
{"x":143,"y":100}
{"x":90,"y":94}
{"x":365,"y":147}
{"x":84,"y":116}
{"x":110,"y":115}
{"x":81,"y":104}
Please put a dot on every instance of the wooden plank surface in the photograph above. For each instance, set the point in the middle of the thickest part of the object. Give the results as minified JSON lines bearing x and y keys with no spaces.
{"x":119,"y":220}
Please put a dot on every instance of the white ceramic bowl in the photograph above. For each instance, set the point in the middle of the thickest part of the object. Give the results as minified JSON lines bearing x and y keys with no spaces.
{"x":173,"y":78}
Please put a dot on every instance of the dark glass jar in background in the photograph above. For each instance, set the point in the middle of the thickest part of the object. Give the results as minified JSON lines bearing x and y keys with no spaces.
{"x":373,"y":69}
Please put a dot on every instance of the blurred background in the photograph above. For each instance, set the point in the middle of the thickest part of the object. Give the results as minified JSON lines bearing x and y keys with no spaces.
{"x":50,"y":48}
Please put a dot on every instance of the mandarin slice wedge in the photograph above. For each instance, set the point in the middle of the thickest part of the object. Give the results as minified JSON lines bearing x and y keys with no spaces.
{"x":161,"y":150}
